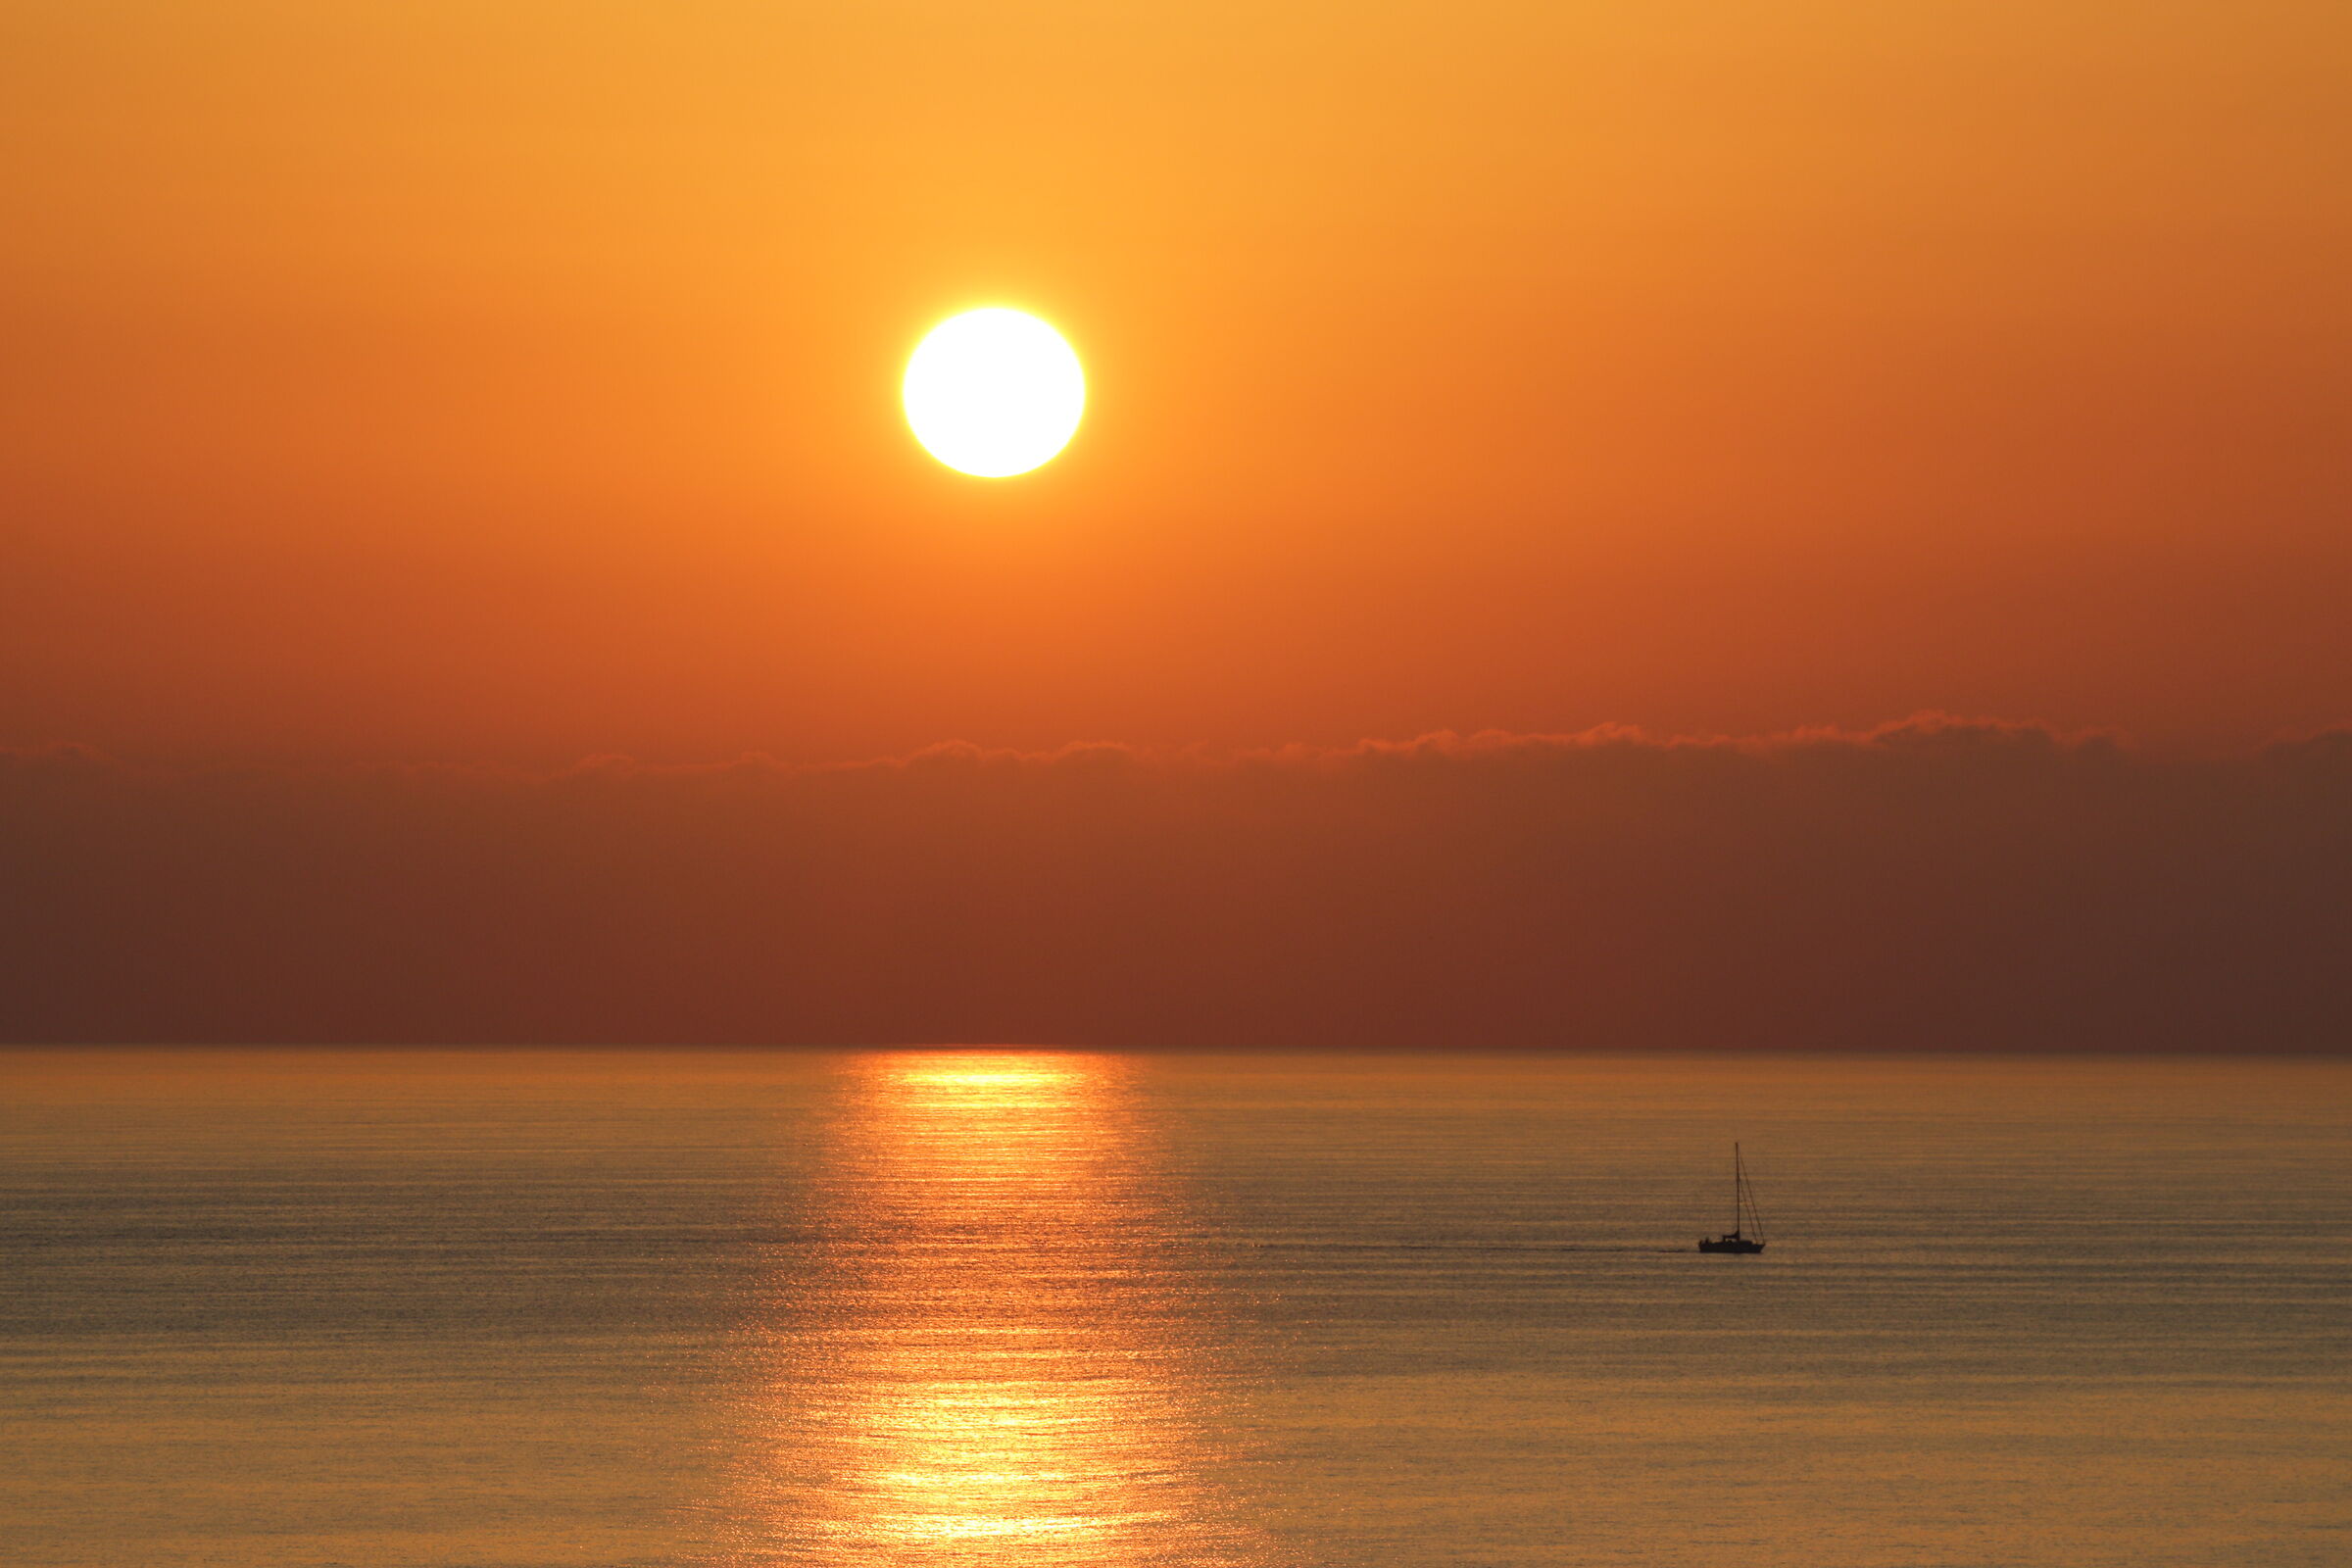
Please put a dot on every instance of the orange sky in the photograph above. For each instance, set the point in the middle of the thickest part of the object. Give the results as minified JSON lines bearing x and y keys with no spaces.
{"x":516,"y":382}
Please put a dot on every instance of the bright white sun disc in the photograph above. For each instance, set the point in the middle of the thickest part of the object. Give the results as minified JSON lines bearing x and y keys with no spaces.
{"x":994,"y":392}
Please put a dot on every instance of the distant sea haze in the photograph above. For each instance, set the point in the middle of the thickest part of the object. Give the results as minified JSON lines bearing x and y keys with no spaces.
{"x":1933,"y":884}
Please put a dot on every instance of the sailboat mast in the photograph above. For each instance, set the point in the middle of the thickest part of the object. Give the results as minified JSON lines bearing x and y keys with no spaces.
{"x":1739,"y":1187}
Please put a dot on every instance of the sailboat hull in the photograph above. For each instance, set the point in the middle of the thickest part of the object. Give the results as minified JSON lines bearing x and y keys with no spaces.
{"x":1729,"y":1244}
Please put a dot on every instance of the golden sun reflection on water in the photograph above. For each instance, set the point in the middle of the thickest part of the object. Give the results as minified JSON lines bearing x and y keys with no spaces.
{"x":997,"y":1354}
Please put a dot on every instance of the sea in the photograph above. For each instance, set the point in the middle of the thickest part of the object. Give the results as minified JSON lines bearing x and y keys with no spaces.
{"x":977,"y":1308}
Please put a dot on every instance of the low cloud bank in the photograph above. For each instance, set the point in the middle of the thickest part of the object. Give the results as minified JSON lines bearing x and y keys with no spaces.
{"x":1930,"y":884}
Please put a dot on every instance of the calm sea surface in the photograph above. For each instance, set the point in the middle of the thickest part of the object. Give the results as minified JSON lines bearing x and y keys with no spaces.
{"x":521,"y":1309}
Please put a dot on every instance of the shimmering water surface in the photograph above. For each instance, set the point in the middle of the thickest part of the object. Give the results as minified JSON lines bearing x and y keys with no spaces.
{"x":522,"y":1309}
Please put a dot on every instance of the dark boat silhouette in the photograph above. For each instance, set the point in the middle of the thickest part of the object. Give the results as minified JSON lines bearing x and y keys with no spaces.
{"x":1746,"y":1234}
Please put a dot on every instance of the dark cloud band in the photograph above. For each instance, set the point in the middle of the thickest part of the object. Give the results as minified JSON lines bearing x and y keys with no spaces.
{"x":1930,"y":884}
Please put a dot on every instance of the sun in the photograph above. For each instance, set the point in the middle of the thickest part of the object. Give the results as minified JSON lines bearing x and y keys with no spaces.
{"x":994,"y":392}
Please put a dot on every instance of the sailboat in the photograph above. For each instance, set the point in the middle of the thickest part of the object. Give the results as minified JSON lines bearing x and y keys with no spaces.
{"x":1746,"y":1234}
